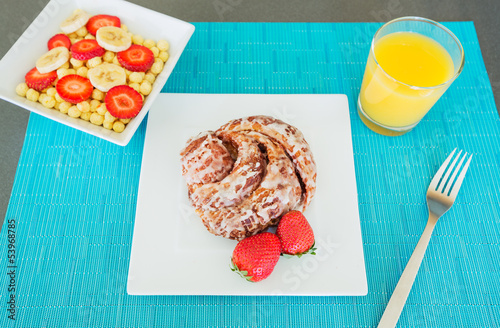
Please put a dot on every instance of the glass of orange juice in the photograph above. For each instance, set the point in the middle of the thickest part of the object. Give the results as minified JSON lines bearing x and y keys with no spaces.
{"x":412,"y":62}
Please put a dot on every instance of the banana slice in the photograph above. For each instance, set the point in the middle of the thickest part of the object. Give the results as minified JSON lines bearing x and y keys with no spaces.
{"x":105,"y":76}
{"x":78,"y":19}
{"x":113,"y":38}
{"x":52,"y":60}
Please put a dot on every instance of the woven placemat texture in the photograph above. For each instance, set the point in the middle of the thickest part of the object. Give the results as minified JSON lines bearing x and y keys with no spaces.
{"x":73,"y":202}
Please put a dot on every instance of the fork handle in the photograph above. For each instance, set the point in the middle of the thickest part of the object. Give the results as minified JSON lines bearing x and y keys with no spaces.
{"x":400,"y":294}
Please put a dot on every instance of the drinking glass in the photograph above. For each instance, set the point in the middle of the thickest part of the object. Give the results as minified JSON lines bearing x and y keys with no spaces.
{"x":412,"y":62}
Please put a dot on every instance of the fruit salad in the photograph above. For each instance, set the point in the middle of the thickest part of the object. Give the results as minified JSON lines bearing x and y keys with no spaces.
{"x":95,"y":70}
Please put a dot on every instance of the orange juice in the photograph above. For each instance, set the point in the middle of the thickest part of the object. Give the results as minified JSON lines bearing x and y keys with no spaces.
{"x":412,"y":73}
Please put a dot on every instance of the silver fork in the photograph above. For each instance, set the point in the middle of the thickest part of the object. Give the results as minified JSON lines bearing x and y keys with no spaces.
{"x":441,"y":195}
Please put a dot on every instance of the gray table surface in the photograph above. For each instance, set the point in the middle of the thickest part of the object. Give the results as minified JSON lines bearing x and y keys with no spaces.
{"x":15,"y":17}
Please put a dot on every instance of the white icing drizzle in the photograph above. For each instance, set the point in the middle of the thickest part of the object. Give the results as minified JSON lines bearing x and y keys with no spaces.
{"x":243,"y":179}
{"x":244,"y":197}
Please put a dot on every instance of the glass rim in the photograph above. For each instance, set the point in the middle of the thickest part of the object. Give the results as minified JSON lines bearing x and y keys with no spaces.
{"x":429,"y":21}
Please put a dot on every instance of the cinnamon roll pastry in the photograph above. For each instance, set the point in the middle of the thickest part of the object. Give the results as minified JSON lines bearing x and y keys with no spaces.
{"x":243,"y":177}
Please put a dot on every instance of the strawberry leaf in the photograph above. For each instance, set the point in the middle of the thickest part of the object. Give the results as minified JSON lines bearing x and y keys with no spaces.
{"x":311,"y":251}
{"x":241,"y":273}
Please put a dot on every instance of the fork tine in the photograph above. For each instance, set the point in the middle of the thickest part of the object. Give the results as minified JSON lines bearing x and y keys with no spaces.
{"x":434,"y":183}
{"x":448,"y":172}
{"x":460,"y":179}
{"x":455,"y":169}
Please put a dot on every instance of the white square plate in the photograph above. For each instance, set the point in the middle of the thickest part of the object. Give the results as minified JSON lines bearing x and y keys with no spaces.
{"x":33,"y":43}
{"x":173,"y":253}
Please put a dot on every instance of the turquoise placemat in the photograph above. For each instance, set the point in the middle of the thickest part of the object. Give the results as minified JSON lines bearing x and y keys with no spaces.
{"x":73,"y":201}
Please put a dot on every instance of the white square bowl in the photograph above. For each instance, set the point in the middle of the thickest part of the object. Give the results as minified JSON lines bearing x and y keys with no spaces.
{"x":33,"y":43}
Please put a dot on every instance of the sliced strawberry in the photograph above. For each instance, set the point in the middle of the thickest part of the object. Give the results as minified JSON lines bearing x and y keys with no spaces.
{"x":59,"y":40}
{"x":123,"y":102}
{"x":39,"y":81}
{"x":136,"y":58}
{"x":74,"y":88}
{"x":86,"y":49}
{"x":98,"y":21}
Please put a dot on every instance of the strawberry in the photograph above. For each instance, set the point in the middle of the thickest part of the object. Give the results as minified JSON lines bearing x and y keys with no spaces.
{"x":86,"y":49}
{"x":98,"y":21}
{"x":74,"y":88}
{"x":296,"y":235}
{"x":255,"y":257}
{"x":38,"y":81}
{"x":123,"y":102}
{"x":59,"y":40}
{"x":136,"y":58}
